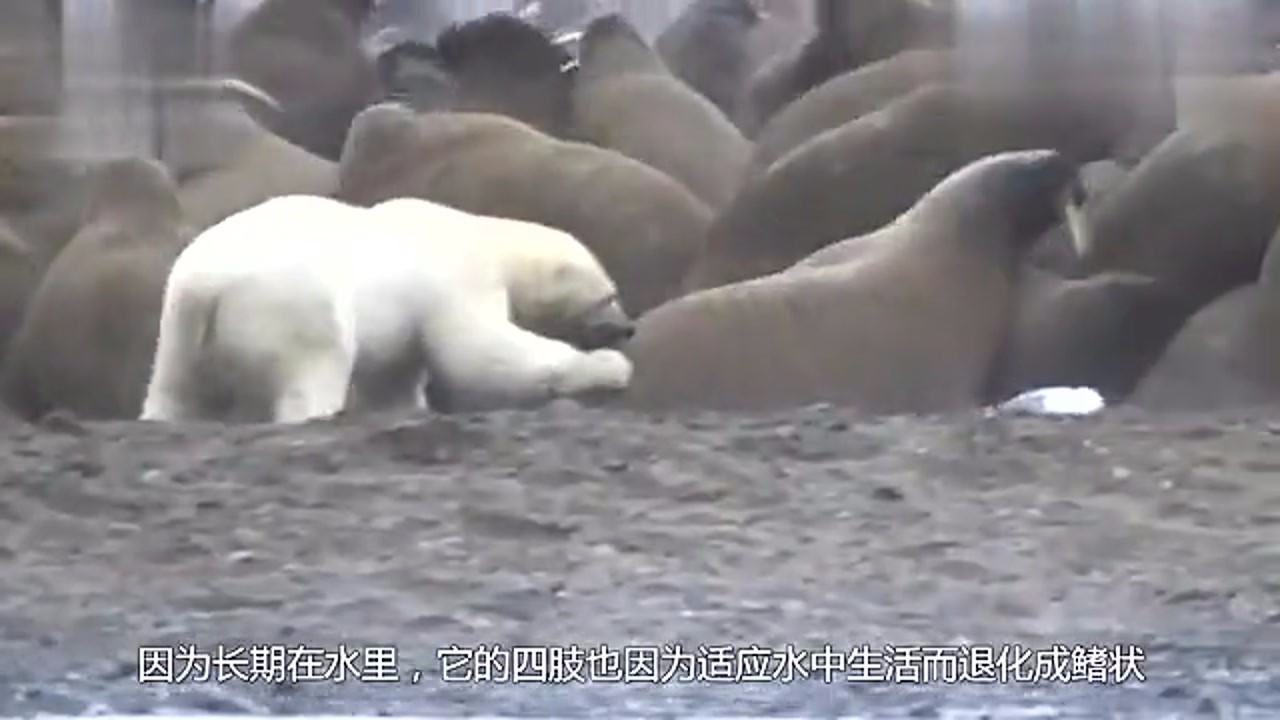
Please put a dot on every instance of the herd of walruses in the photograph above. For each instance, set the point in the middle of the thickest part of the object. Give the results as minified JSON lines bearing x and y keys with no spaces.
{"x":856,"y":208}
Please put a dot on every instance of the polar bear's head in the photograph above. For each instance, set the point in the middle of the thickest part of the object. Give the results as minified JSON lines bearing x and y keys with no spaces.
{"x":557,"y":288}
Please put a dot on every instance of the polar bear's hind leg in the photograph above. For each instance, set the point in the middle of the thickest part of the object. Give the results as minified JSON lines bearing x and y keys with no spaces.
{"x":296,"y":340}
{"x":315,"y":387}
{"x":185,"y":323}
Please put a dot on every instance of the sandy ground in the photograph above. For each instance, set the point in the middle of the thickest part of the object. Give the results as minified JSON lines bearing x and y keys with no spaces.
{"x":574,"y":526}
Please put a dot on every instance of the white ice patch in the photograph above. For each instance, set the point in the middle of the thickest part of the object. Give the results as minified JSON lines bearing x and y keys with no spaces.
{"x":1055,"y":401}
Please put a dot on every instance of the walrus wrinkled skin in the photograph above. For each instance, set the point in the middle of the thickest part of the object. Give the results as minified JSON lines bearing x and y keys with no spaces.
{"x":856,"y":178}
{"x":86,"y":342}
{"x":644,"y":226}
{"x":905,"y":320}
{"x":625,"y":99}
{"x":707,"y":46}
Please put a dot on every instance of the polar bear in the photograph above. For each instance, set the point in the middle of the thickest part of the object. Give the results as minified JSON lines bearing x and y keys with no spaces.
{"x":303,"y":306}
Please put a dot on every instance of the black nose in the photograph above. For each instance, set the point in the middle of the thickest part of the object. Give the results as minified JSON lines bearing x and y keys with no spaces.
{"x":610,"y":334}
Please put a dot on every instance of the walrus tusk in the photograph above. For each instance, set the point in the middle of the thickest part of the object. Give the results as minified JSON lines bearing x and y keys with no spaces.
{"x":567,"y":38}
{"x":232,"y":85}
{"x":1073,"y":213}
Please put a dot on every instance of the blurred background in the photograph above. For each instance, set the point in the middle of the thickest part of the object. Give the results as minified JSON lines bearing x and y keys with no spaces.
{"x":87,"y":60}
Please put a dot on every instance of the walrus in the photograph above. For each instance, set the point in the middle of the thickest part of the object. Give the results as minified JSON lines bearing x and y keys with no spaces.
{"x":86,"y":342}
{"x":645,"y":227}
{"x":1196,"y":214}
{"x":707,"y":46}
{"x":909,"y":322}
{"x":1059,"y":52}
{"x":226,"y":161}
{"x":847,"y":35}
{"x":1057,"y":252}
{"x":1216,"y":361}
{"x":626,"y":100}
{"x":847,"y":97}
{"x":501,"y":64}
{"x":1227,"y":355}
{"x":856,"y":178}
{"x":308,"y":55}
{"x":1104,"y":332}
{"x":410,"y":72}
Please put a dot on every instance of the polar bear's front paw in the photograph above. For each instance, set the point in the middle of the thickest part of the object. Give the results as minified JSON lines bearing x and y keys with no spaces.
{"x":596,"y":372}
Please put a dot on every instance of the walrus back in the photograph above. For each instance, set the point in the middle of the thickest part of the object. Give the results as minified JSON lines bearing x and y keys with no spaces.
{"x":644,"y":227}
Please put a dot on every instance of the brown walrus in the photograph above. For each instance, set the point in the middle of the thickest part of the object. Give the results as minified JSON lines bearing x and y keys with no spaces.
{"x":1102,"y":332}
{"x":643,"y":226}
{"x":846,"y":98}
{"x":226,"y":162}
{"x":856,"y":178}
{"x":908,"y":322}
{"x":1196,"y":214}
{"x":625,"y":99}
{"x":1227,"y":355}
{"x":307,"y":55}
{"x":847,"y":35}
{"x":90,"y":329}
{"x":716,"y":45}
{"x":1199,"y":211}
{"x":501,"y":64}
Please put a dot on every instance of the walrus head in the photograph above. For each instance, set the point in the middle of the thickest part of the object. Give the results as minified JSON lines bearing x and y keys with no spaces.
{"x":410,"y":72}
{"x":1019,"y":195}
{"x":612,"y":46}
{"x":504,"y":65}
{"x":134,"y":187}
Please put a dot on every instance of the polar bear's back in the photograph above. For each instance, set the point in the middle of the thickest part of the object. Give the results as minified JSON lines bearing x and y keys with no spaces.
{"x":470,"y":245}
{"x":295,"y":233}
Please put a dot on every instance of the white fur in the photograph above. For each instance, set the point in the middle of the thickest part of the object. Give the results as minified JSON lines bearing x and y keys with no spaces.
{"x":302,"y":298}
